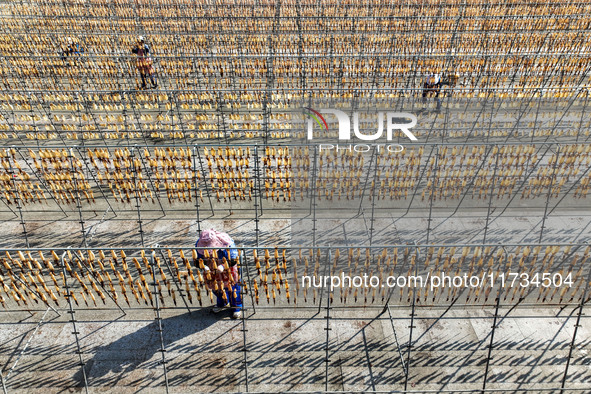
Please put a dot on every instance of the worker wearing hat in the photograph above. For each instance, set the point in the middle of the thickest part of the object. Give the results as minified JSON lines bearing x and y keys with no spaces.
{"x":72,"y":49}
{"x":431,"y":87}
{"x":144,"y":62}
{"x":220,"y":247}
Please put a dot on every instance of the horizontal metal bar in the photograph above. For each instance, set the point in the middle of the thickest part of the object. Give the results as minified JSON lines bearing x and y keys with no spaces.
{"x":265,"y":89}
{"x":328,"y":32}
{"x":400,"y":246}
{"x":532,"y":388}
{"x":289,"y":145}
{"x":337,"y":18}
{"x":354,"y":56}
{"x":323,"y":5}
{"x":270,"y":307}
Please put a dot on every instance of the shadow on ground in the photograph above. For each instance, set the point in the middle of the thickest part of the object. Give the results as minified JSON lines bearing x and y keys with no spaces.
{"x":124,"y":358}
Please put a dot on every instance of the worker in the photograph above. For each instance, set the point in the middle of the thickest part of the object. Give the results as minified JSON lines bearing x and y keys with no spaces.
{"x":432,"y":87}
{"x":448,"y":83}
{"x":72,"y":50}
{"x":453,"y":80}
{"x":144,"y":62}
{"x":220,"y":245}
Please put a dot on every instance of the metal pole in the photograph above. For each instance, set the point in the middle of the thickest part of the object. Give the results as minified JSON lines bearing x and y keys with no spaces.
{"x":3,"y":384}
{"x":525,"y":178}
{"x":2,"y":379}
{"x":373,"y":153}
{"x":313,"y":202}
{"x":420,"y":179}
{"x":18,"y":201}
{"x":172,"y":277}
{"x":205,"y":181}
{"x":245,"y":267}
{"x":327,"y":328}
{"x":492,"y":189}
{"x":259,"y":175}
{"x":581,"y":119}
{"x":257,"y":195}
{"x":83,"y":263}
{"x":432,"y":194}
{"x":96,"y":182}
{"x":469,"y":184}
{"x":575,"y":183}
{"x":41,"y":182}
{"x":244,"y":329}
{"x":574,"y":338}
{"x":412,"y":325}
{"x":136,"y":195}
{"x":396,"y":340}
{"x":77,"y":191}
{"x":373,"y":200}
{"x":326,"y":264}
{"x":72,"y":312}
{"x":162,"y":349}
{"x":157,"y":192}
{"x":549,"y":194}
{"x":196,"y":194}
{"x":24,"y":283}
{"x":9,"y":208}
{"x":491,"y":343}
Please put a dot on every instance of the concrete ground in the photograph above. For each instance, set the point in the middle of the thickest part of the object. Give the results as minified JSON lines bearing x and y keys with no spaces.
{"x":286,"y":351}
{"x":283,"y":227}
{"x":286,"y":347}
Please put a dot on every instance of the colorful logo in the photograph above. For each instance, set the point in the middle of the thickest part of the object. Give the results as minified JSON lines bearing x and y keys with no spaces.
{"x":315,"y":115}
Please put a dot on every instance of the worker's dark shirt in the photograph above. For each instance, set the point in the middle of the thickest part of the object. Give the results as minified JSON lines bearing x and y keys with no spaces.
{"x":432,"y":87}
{"x":73,"y":49}
{"x":141,"y":51}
